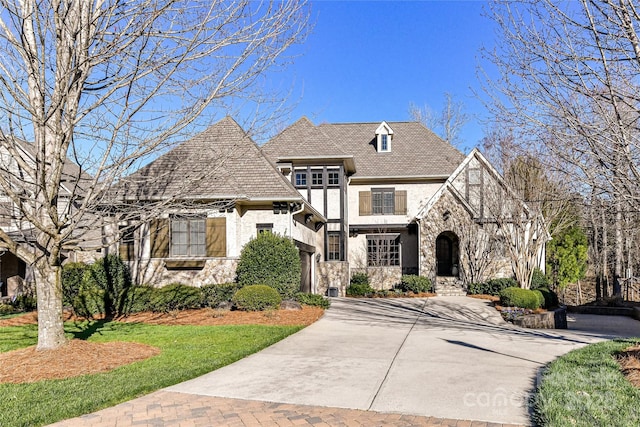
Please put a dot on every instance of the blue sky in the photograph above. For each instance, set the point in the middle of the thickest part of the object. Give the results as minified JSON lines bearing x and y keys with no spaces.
{"x":367,"y":61}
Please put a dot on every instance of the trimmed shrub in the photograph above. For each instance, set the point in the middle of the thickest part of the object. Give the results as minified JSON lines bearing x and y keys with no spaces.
{"x":518,"y":297}
{"x":492,"y":286}
{"x":175,"y":296}
{"x":313,"y":300}
{"x":139,"y":298}
{"x":540,"y":297}
{"x":359,"y":285}
{"x":539,"y":280}
{"x":550,"y":297}
{"x":113,"y":277}
{"x":257,"y":298}
{"x":415,"y":284}
{"x":214,"y":295}
{"x":272,"y":260}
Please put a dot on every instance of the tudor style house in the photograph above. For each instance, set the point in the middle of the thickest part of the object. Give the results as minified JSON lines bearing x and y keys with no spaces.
{"x":397,"y":200}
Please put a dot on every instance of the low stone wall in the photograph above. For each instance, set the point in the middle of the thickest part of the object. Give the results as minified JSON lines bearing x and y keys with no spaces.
{"x":556,"y":319}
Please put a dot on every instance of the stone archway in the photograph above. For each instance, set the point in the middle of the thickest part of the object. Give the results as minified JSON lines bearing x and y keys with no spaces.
{"x":447,"y":254}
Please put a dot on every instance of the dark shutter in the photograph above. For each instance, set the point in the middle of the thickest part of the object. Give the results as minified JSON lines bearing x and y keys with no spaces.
{"x":365,"y":203}
{"x":216,"y":237}
{"x":159,"y":230}
{"x":401,"y":202}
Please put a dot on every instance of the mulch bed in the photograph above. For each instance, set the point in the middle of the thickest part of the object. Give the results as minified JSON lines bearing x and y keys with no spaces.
{"x":29,"y":365}
{"x":629,"y":361}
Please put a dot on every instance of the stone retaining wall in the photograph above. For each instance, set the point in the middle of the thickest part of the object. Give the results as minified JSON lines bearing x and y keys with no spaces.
{"x":556,"y":319}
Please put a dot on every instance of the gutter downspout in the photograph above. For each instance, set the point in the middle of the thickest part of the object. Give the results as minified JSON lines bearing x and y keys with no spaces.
{"x":291,"y":214}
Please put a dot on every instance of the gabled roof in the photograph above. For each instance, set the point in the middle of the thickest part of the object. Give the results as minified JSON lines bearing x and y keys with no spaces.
{"x":448,"y":185}
{"x":416,"y":152}
{"x":222,"y":162}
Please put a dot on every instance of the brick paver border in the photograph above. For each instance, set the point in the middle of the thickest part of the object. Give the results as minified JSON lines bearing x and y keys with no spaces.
{"x":163,"y":408}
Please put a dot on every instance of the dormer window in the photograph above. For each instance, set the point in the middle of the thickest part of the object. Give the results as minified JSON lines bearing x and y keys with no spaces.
{"x":384,"y":135}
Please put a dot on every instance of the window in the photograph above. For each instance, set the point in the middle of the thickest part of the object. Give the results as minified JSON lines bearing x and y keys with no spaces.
{"x":383,"y":250}
{"x":188,"y":237}
{"x":333,"y":177}
{"x":384,"y":143}
{"x":263,"y":228}
{"x":333,"y":246}
{"x":127,"y":241}
{"x":301,"y":179}
{"x":383,"y":201}
{"x":316,"y":178}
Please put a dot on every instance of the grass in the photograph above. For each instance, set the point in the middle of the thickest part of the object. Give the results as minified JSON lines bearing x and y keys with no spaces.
{"x":586,"y":388}
{"x":187,"y":352}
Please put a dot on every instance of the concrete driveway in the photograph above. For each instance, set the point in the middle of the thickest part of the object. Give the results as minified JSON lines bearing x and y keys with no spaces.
{"x":447,"y":357}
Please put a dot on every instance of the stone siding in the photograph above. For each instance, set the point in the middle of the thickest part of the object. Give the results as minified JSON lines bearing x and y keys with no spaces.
{"x":381,"y":277}
{"x":334,"y":274}
{"x":449,"y":215}
{"x":215,"y":271}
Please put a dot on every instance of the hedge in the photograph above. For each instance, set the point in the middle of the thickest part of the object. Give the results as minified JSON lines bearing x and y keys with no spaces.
{"x":492,"y":286}
{"x":359,"y":285}
{"x":415,"y":284}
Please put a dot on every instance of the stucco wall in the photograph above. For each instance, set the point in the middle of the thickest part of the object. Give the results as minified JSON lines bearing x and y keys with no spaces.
{"x":417,"y":195}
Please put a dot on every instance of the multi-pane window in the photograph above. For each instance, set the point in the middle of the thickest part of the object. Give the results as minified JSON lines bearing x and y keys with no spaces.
{"x":263,"y":228}
{"x":384,"y":142}
{"x":333,"y":246}
{"x":383,"y":250}
{"x":188,"y":237}
{"x":383,"y":201}
{"x":301,"y":179}
{"x":333,"y":177}
{"x":316,"y":178}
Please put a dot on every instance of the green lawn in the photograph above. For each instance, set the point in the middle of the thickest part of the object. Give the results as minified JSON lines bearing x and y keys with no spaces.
{"x":586,"y":388}
{"x":187,"y":352}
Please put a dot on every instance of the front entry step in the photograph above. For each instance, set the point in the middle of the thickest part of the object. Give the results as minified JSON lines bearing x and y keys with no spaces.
{"x":450,"y":287}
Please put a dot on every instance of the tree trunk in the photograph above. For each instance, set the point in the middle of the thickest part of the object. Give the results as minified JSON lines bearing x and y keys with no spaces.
{"x":619,"y":248}
{"x":49,"y":298}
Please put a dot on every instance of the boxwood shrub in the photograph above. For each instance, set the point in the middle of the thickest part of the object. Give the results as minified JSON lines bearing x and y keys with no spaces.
{"x":492,"y":286}
{"x":175,"y":296}
{"x":518,"y":297}
{"x":415,"y":284}
{"x":359,"y":285}
{"x":257,"y":298}
{"x":550,"y":297}
{"x":272,"y":260}
{"x":214,"y":295}
{"x":313,"y":300}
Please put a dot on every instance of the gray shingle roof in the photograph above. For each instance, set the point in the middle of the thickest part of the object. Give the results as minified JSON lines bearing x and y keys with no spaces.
{"x":221,"y":162}
{"x":415,"y":150}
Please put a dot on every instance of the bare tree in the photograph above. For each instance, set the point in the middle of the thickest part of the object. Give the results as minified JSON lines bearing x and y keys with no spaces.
{"x":568,"y":84}
{"x":448,"y":123}
{"x":89,"y":90}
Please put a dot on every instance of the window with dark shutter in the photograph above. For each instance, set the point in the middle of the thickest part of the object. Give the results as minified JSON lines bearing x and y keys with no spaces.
{"x":159,"y":231}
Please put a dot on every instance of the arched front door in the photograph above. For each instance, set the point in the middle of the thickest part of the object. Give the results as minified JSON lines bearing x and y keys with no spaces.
{"x":447,"y":248}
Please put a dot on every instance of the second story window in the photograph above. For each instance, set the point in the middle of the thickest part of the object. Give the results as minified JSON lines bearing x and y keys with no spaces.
{"x":383,"y":201}
{"x":301,"y":179}
{"x":316,"y":178}
{"x":333,"y":177}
